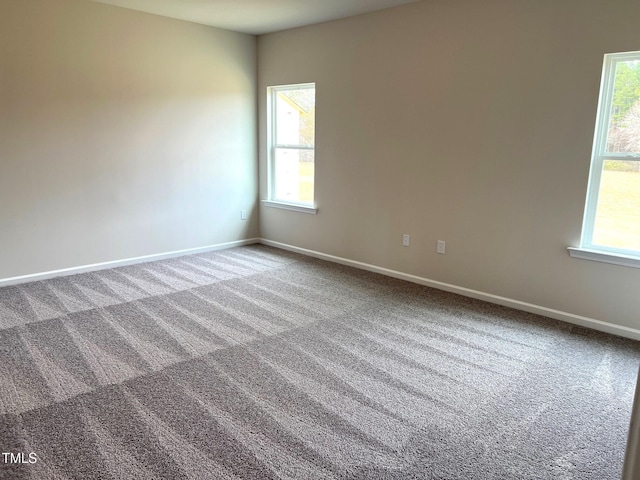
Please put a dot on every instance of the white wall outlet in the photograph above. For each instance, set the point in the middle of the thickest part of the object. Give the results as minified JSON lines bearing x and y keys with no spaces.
{"x":243,"y":214}
{"x":440,"y":248}
{"x":405,"y":240}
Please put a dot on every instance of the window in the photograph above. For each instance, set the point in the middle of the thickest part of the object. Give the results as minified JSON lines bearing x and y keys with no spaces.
{"x":612,"y":213}
{"x":291,"y":168}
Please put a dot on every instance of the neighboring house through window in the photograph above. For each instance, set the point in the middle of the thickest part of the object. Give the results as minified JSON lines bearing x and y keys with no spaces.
{"x":291,"y":165}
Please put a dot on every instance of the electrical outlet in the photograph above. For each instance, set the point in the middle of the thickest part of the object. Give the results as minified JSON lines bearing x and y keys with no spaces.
{"x":441,"y":246}
{"x":405,"y":240}
{"x":243,"y":214}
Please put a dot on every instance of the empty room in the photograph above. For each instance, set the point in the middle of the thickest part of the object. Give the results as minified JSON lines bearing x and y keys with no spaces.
{"x":319,"y":239}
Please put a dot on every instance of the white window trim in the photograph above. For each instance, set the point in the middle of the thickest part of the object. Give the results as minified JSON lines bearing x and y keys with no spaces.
{"x":588,"y":250}
{"x":272,"y":144}
{"x":605,"y":257}
{"x":290,"y":206}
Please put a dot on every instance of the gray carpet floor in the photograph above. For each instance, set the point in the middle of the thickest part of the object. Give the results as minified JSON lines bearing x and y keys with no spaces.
{"x":256,"y":363}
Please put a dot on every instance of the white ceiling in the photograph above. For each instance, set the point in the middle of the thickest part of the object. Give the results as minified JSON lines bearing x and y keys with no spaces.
{"x":257,"y":16}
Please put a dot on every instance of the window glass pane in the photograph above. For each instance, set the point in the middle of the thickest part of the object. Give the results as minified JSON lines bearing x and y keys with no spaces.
{"x":296,"y":116}
{"x":617,"y":221}
{"x":294,"y":175}
{"x":623,"y":135}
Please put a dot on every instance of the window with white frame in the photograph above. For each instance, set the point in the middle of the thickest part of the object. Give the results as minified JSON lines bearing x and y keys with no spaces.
{"x":292,"y":112}
{"x":612,"y":212}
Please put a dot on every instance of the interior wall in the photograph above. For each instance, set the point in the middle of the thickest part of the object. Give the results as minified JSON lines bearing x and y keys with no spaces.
{"x":470,"y":122}
{"x":122,"y":134}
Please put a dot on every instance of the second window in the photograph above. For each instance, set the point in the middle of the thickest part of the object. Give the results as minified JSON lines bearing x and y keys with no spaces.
{"x":292,"y":143}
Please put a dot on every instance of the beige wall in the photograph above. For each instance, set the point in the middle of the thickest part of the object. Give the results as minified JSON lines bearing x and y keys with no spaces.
{"x":122,"y":134}
{"x":465,"y":121}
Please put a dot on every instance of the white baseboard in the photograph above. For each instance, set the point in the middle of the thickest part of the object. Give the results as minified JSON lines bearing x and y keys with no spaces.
{"x":121,"y":263}
{"x":592,"y":323}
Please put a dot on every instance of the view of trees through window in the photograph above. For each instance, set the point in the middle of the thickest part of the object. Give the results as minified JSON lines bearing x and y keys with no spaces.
{"x":624,"y":126}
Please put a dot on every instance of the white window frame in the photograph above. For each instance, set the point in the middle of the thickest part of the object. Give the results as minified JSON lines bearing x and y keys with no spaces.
{"x":273,"y":145}
{"x":588,"y":250}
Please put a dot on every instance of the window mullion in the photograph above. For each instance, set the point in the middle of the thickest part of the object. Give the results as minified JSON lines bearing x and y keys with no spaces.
{"x":295,"y":147}
{"x":635,"y":157}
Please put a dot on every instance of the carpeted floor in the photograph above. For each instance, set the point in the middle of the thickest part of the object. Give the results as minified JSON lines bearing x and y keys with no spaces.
{"x":258,"y":363}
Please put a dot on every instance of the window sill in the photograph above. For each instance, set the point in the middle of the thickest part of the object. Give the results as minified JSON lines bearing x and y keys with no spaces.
{"x":290,"y":206}
{"x":606,"y":257}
